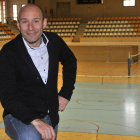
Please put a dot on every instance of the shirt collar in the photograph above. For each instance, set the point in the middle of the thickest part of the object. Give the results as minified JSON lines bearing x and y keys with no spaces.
{"x":44,"y":43}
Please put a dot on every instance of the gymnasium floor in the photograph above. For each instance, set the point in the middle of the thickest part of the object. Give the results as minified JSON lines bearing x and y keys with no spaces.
{"x":105,"y":104}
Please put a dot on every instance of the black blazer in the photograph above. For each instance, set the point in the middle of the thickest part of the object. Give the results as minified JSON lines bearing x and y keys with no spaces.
{"x":22,"y":91}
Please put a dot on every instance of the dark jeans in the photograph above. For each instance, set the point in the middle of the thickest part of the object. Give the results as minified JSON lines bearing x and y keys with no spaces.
{"x":17,"y":130}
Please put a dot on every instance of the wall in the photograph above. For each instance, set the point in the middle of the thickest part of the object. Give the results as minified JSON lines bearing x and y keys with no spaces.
{"x":109,"y":8}
{"x":46,"y":7}
{"x":87,"y":12}
{"x":9,"y":4}
{"x":104,"y":53}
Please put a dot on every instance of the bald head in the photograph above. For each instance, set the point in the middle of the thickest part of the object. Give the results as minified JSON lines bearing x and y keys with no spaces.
{"x":30,"y":6}
{"x":31,"y":24}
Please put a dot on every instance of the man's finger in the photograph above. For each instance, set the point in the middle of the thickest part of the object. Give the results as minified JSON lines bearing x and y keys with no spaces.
{"x":53,"y":134}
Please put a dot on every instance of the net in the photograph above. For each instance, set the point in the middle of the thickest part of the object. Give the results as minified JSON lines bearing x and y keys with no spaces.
{"x":135,"y":58}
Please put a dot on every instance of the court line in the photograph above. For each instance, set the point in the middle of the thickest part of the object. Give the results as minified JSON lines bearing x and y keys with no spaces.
{"x":110,"y":70}
{"x":98,"y":127}
{"x":120,"y":125}
{"x":123,"y":101}
{"x":136,"y":71}
{"x":97,"y":130}
{"x":102,"y":76}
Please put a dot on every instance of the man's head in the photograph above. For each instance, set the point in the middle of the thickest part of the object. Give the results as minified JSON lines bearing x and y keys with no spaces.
{"x":31,"y":23}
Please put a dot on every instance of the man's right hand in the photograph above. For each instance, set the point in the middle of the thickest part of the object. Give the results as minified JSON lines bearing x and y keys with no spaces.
{"x":46,"y":131}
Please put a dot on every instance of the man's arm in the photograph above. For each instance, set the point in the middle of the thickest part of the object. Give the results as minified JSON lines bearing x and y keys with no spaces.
{"x":69,"y":62}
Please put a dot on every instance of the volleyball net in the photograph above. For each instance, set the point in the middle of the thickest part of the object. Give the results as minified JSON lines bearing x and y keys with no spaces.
{"x":133,"y":61}
{"x":119,"y":65}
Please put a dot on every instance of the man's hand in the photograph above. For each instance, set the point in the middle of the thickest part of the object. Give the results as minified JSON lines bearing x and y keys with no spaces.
{"x":46,"y":131}
{"x":62,"y":103}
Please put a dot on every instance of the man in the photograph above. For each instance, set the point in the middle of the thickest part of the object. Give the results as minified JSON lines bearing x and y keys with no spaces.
{"x":28,"y":78}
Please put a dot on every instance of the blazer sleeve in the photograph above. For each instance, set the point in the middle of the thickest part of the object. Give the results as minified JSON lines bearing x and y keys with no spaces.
{"x":69,"y":63}
{"x":8,"y":95}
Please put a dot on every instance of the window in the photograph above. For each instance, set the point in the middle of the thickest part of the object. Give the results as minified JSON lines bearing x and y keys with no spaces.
{"x":0,"y":13}
{"x":15,"y":12}
{"x":128,"y":2}
{"x":4,"y":14}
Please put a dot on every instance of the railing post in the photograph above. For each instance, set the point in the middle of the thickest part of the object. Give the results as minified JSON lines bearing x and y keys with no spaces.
{"x":129,"y":65}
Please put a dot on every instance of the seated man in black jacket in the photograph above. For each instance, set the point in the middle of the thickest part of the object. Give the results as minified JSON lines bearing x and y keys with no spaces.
{"x":28,"y":78}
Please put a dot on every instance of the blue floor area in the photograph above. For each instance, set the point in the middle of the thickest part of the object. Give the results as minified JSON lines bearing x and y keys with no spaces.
{"x":1,"y":125}
{"x":111,"y":108}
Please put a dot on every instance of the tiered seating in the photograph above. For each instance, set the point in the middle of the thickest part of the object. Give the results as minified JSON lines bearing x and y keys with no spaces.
{"x":64,"y":19}
{"x":115,"y":26}
{"x":5,"y":32}
{"x":63,"y":26}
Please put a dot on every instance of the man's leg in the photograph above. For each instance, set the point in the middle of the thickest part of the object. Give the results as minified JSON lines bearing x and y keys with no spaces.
{"x":17,"y":130}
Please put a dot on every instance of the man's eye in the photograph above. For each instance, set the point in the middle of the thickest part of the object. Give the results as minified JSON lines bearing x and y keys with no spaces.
{"x":36,"y":21}
{"x":24,"y":21}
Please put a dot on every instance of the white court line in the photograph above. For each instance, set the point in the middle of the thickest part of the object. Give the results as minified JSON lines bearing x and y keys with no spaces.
{"x":102,"y":76}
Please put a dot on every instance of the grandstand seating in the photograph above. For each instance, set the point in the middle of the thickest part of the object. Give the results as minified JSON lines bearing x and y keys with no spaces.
{"x":64,"y":19}
{"x":101,"y":27}
{"x":113,"y":26}
{"x":5,"y":32}
{"x":63,"y":26}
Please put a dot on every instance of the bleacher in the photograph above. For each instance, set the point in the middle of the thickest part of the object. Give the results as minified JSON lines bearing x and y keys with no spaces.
{"x":101,"y":27}
{"x":63,"y":26}
{"x":5,"y":32}
{"x":115,"y":26}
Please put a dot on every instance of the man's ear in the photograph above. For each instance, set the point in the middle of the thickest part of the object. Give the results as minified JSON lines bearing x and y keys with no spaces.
{"x":44,"y":23}
{"x":18,"y":25}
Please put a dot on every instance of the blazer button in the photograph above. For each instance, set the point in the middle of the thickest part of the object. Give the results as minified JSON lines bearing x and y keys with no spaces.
{"x":42,"y":115}
{"x":37,"y":78}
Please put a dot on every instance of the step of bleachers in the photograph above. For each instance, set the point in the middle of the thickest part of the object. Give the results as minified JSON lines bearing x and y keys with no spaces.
{"x":5,"y":32}
{"x":66,"y":26}
{"x":115,"y":26}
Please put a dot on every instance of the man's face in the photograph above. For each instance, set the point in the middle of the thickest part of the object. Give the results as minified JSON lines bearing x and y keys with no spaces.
{"x":31,"y":25}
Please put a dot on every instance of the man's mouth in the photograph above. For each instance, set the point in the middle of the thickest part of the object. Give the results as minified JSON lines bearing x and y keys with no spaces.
{"x":31,"y":34}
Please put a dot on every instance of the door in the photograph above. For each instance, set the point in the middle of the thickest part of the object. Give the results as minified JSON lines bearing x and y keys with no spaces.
{"x":63,"y":9}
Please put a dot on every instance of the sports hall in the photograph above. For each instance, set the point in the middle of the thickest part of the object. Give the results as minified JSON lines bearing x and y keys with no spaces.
{"x":104,"y":35}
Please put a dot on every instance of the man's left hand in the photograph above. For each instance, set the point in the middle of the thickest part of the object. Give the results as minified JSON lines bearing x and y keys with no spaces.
{"x":62,"y":103}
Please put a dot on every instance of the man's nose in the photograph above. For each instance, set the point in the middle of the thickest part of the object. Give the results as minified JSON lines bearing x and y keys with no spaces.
{"x":30,"y":26}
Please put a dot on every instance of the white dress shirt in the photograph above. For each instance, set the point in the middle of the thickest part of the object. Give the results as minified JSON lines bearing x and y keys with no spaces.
{"x":40,"y":57}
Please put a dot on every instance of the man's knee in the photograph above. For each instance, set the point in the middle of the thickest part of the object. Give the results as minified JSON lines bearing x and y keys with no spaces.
{"x":29,"y":135}
{"x":16,"y":130}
